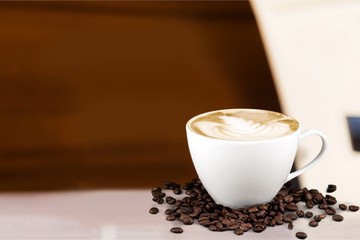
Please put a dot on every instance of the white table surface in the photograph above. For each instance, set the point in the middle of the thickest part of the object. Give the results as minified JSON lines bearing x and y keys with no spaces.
{"x":125,"y":215}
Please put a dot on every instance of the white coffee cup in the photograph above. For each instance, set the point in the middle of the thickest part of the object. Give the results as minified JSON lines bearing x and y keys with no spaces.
{"x":247,"y":156}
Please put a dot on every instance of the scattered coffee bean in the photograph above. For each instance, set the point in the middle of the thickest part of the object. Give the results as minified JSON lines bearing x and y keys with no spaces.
{"x":308,"y":196}
{"x":168,"y":211}
{"x":287,"y":219}
{"x":188,"y":220}
{"x":176,"y":230}
{"x":160,"y":201}
{"x":313,"y":223}
{"x":213,"y":228}
{"x":301,"y":235}
{"x":288,"y":198}
{"x":154,"y":210}
{"x":292,"y":207}
{"x":330,"y":210}
{"x":309,"y":214}
{"x":259,"y":227}
{"x":177,"y":191}
{"x":168,"y":184}
{"x":317,"y":218}
{"x":171,"y":217}
{"x":331,"y":200}
{"x":310,"y":204}
{"x":198,"y":205}
{"x":253,"y":210}
{"x":322,"y":206}
{"x":290,"y":226}
{"x":300,"y":213}
{"x":170,"y":200}
{"x":331,"y":188}
{"x":353,"y":208}
{"x":342,"y":206}
{"x":238,"y":231}
{"x":292,"y":216}
{"x":337,"y":218}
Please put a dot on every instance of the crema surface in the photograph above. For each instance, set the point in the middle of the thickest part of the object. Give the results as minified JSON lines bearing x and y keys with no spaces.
{"x":243,"y":124}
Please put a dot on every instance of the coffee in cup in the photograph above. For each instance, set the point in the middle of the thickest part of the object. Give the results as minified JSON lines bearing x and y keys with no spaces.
{"x":244,"y":156}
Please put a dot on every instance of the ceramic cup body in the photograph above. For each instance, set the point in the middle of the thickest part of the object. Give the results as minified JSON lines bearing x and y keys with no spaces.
{"x":246,"y":173}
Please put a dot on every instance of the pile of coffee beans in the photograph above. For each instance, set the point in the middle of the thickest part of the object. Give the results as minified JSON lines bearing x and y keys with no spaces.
{"x":197,"y":205}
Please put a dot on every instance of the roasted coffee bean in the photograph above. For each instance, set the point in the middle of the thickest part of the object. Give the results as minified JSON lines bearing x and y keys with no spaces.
{"x":157,"y":195}
{"x":322,"y":206}
{"x":310,"y":204}
{"x":231,"y":215}
{"x":176,"y":230}
{"x":337,"y":218}
{"x":290,"y":226}
{"x":245,"y":226}
{"x":261,"y":214}
{"x":331,"y":200}
{"x":218,"y":225}
{"x":288,"y":198}
{"x":317,"y":218}
{"x":204,"y":222}
{"x":331,"y":188}
{"x":238,"y":231}
{"x":300,"y":213}
{"x":253,"y":210}
{"x":342,"y":206}
{"x":267,"y":221}
{"x":308,"y":196}
{"x":154,"y":210}
{"x":317,"y":198}
{"x":259,"y":227}
{"x":292,"y":216}
{"x":188,"y":220}
{"x":292,"y":207}
{"x":213,"y":228}
{"x":353,"y":208}
{"x":279,"y":221}
{"x":168,"y":211}
{"x":309,"y":214}
{"x":287,"y":219}
{"x":177,"y":191}
{"x":225,"y":221}
{"x":178,"y":203}
{"x":170,"y":200}
{"x":168,"y":184}
{"x":330,"y":210}
{"x":301,"y":235}
{"x":155,"y":190}
{"x":171,"y":217}
{"x":233,"y":225}
{"x":313,"y":223}
{"x":196,"y":211}
{"x":263,"y":207}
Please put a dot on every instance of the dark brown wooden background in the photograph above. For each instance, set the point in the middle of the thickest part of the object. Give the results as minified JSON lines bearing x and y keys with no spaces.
{"x":97,"y":94}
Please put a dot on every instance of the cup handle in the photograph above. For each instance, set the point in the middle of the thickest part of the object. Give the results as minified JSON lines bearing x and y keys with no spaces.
{"x":316,"y":159}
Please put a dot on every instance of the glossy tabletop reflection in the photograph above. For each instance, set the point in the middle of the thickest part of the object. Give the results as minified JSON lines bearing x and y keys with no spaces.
{"x":125,"y":215}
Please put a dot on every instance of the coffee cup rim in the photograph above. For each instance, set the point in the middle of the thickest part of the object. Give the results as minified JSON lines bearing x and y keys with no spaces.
{"x":188,"y":123}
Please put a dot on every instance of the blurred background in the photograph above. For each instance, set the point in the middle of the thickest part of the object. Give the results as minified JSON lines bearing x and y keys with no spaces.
{"x":97,"y":94}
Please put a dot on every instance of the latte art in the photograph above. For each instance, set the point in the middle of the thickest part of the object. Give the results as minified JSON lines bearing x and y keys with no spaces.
{"x":243,"y":124}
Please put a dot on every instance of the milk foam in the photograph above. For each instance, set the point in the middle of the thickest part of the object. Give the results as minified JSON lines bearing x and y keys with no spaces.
{"x":244,"y":124}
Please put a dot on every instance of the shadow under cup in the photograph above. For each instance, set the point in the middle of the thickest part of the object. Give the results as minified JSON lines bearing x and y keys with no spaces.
{"x":244,"y":173}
